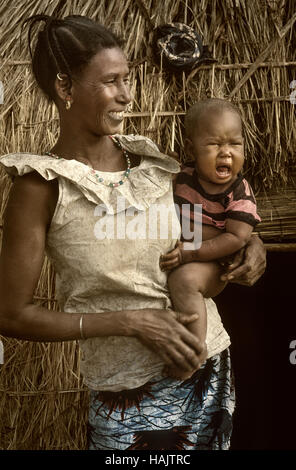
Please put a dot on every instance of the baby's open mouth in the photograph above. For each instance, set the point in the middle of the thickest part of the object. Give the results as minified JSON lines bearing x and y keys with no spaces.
{"x":223,"y":171}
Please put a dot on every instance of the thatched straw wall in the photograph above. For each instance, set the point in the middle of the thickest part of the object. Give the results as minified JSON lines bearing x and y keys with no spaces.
{"x":43,"y":403}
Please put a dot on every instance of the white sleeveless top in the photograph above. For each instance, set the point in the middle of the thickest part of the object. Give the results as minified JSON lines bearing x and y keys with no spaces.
{"x":104,"y":244}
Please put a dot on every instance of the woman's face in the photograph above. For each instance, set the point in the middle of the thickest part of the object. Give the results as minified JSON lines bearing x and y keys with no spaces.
{"x":101,"y":93}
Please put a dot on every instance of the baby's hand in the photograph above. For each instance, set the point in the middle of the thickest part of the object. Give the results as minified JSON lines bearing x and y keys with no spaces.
{"x":175,"y":257}
{"x":172,"y":259}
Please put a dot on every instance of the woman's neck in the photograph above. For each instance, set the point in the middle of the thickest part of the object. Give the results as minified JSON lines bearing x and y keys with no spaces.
{"x":81,"y":145}
{"x":99,"y":152}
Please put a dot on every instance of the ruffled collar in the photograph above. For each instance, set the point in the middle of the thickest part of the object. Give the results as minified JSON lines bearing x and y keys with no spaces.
{"x":146,"y":183}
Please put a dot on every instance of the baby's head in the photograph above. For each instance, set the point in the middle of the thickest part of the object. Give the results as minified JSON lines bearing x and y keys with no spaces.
{"x":214,"y":140}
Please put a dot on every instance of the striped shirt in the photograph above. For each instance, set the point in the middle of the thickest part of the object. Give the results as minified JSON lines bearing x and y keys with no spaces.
{"x":236,"y":202}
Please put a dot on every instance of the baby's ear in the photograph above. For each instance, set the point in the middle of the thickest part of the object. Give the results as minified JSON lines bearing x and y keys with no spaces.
{"x":189,"y":148}
{"x":243,"y":142}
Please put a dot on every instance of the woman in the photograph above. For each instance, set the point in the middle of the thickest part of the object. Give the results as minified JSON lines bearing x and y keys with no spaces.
{"x":112,"y":293}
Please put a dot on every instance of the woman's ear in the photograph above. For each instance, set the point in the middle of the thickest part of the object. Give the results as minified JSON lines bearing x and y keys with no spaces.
{"x":63,"y":86}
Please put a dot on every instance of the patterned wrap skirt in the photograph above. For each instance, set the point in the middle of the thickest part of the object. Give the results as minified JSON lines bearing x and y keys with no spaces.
{"x":166,"y":414}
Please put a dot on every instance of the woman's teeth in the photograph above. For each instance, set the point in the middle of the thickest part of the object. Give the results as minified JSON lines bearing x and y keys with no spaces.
{"x":118,"y":116}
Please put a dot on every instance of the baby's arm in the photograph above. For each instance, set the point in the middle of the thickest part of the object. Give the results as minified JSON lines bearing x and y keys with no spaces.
{"x":235,"y":237}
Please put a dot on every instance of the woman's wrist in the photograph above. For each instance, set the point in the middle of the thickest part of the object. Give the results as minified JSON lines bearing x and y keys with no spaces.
{"x":118,"y":323}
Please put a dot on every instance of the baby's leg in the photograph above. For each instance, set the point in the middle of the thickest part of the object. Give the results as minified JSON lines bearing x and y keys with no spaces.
{"x":189,"y":284}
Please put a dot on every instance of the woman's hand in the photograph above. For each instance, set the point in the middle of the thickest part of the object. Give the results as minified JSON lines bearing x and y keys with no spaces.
{"x":165,"y":333}
{"x":248,"y":265}
{"x":180,"y":374}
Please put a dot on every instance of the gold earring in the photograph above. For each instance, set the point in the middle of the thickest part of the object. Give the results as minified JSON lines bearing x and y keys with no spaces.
{"x":59,"y":77}
{"x":68,"y":104}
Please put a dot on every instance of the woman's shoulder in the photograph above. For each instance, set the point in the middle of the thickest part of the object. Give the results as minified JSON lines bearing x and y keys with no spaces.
{"x":23,"y":163}
{"x":34,"y":181}
{"x":36,"y":193}
{"x":49,"y":168}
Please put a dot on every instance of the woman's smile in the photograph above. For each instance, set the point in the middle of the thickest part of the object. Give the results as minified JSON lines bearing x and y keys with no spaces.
{"x":117,"y":115}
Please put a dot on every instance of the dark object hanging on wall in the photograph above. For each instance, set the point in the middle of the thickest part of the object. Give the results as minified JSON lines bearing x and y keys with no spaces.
{"x":179,"y":48}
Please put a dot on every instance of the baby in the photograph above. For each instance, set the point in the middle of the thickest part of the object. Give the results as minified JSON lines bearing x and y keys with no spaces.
{"x":215,"y":142}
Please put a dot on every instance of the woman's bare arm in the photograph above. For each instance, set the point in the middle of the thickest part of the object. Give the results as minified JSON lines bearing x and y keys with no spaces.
{"x":26,"y":220}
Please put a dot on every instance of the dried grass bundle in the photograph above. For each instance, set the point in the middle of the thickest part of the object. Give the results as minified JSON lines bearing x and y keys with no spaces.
{"x":43,"y":404}
{"x":277,"y":211}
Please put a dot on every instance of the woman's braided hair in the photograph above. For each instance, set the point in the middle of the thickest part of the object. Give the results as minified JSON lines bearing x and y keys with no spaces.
{"x":65,"y":46}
